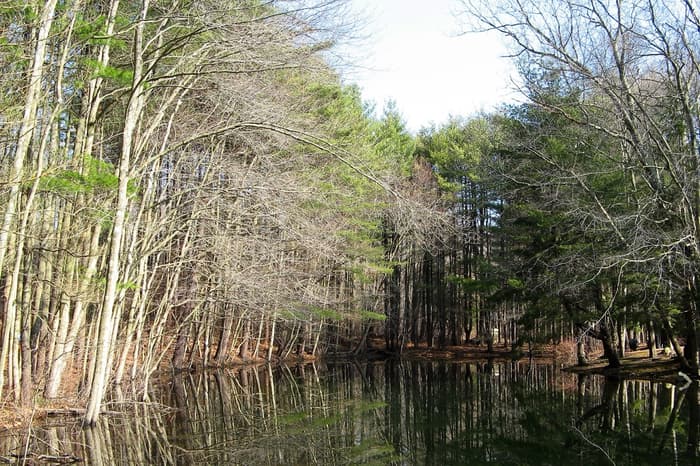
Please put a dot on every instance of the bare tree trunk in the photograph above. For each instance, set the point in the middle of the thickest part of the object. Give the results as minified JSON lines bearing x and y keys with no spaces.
{"x":180,"y":350}
{"x":26,"y":131}
{"x":690,"y":351}
{"x":272,"y":337}
{"x":685,"y":365}
{"x":609,"y":346}
{"x":108,"y":326}
{"x":65,"y":353}
{"x":223,"y":348}
{"x":621,"y":337}
{"x":42,"y":298}
{"x":27,"y":389}
{"x":651,"y":340}
{"x":581,"y":357}
{"x":244,"y":353}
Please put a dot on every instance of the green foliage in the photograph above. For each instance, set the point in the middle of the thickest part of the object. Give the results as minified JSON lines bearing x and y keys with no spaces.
{"x":393,"y":146}
{"x":349,"y":200}
{"x":87,"y":29}
{"x":292,"y":314}
{"x":30,"y":14}
{"x":515,"y":283}
{"x":128,"y":286}
{"x":456,"y":151}
{"x":12,"y":7}
{"x":291,"y":418}
{"x":381,"y":267}
{"x":472,"y":285}
{"x":373,"y":452}
{"x":119,"y":76}
{"x":371,"y":315}
{"x":365,"y":406}
{"x":362,"y":272}
{"x":326,"y":313}
{"x":93,"y":30}
{"x":13,"y":55}
{"x":68,"y":181}
{"x":97,"y":176}
{"x":323,"y":421}
{"x":340,"y":108}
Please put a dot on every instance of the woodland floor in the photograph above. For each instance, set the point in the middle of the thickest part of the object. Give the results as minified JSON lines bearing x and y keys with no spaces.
{"x":480,"y":352}
{"x":635,"y":365}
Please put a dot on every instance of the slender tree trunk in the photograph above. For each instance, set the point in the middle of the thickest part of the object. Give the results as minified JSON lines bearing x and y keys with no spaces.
{"x":302,"y":339}
{"x":62,"y":318}
{"x":581,"y":357}
{"x":651,"y":340}
{"x":271,"y":342}
{"x":428,"y":284}
{"x":691,"y":322}
{"x":26,"y":131}
{"x":223,"y":348}
{"x":27,"y":389}
{"x":108,"y":326}
{"x":243,"y":352}
{"x":65,"y":354}
{"x":180,"y":349}
{"x":42,"y":298}
{"x":685,"y":364}
{"x":621,"y":337}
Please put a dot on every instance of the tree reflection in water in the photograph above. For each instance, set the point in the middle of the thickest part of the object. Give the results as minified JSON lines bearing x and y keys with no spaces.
{"x":403,"y":413}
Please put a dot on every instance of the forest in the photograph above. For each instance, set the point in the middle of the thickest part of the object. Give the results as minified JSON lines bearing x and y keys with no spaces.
{"x":194,"y":184}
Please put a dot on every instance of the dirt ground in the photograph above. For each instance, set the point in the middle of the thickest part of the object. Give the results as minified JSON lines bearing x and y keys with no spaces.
{"x":635,"y":365}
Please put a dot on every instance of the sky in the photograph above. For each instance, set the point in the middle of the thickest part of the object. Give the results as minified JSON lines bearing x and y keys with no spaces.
{"x":413,"y":55}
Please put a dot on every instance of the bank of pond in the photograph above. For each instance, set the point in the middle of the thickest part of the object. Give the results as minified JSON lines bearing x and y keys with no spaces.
{"x":395,"y":412}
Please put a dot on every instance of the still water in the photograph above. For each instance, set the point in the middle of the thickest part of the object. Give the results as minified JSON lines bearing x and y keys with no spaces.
{"x":396,"y":413}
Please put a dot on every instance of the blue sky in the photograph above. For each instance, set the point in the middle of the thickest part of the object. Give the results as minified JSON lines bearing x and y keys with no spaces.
{"x":414,"y":56}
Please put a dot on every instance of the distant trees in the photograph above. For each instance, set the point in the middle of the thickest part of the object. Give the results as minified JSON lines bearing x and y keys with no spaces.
{"x":439,"y":292}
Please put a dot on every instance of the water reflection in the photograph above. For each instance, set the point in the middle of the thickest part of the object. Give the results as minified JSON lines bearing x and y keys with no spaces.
{"x":403,"y":413}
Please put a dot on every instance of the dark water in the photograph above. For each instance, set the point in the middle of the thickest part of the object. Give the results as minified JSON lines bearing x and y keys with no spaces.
{"x":408,"y":413}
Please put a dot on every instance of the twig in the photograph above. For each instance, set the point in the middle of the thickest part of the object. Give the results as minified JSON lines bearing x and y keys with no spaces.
{"x":590,"y":442}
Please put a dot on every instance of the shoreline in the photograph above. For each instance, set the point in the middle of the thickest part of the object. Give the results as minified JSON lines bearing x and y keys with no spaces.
{"x":635,"y":365}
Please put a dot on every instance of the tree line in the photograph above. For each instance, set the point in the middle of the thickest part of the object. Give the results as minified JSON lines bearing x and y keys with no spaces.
{"x":191,"y":183}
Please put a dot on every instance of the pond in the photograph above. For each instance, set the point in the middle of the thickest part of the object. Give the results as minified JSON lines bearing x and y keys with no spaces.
{"x":389,"y":412}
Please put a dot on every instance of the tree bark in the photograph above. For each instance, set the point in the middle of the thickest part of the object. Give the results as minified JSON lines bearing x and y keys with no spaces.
{"x":108,"y":326}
